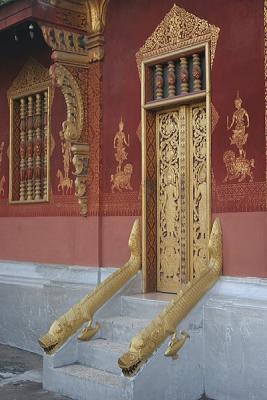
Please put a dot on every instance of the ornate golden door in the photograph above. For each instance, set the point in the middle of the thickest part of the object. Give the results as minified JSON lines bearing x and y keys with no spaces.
{"x":182,"y":195}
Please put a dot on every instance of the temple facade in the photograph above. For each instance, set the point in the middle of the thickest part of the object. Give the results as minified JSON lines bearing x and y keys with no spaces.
{"x":141,"y":121}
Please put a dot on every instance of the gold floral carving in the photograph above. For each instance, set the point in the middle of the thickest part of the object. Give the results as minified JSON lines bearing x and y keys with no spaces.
{"x":33,"y":77}
{"x":121,"y":180}
{"x":169,"y":197}
{"x":238,"y":167}
{"x":183,"y":196}
{"x":200,"y":204}
{"x":3,"y":179}
{"x":179,"y":29}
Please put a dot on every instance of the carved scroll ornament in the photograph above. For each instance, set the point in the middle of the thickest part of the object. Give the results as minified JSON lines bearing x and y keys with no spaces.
{"x":80,"y":48}
{"x":72,"y":130}
{"x":62,"y":78}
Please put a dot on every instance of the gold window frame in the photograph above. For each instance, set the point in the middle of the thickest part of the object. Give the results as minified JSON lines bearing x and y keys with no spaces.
{"x":31,"y":80}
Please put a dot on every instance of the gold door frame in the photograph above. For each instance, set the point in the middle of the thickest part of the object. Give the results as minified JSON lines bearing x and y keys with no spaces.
{"x":148,"y":113}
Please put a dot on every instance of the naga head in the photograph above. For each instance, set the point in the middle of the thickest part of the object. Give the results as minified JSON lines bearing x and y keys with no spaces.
{"x":131,"y":362}
{"x":55,"y":337}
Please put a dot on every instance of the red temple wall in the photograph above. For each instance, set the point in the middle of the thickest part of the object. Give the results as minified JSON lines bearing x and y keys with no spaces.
{"x":238,"y":66}
{"x":89,"y":241}
{"x":55,"y":234}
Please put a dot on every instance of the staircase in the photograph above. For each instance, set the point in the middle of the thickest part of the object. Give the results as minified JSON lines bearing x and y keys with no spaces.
{"x":89,"y":370}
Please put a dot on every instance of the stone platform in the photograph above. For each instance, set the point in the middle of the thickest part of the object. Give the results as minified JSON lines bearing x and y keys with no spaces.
{"x":225,"y":357}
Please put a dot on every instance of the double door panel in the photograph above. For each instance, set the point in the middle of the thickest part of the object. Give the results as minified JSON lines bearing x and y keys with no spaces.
{"x":183,"y":206}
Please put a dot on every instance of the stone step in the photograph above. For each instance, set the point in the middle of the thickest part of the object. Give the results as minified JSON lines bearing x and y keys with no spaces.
{"x":146,"y":306}
{"x":121,"y":329}
{"x":101,"y":354}
{"x":81,"y":382}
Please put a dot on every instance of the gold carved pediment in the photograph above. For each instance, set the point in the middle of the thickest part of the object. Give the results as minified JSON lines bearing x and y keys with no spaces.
{"x":33,"y":76}
{"x":178,"y":29}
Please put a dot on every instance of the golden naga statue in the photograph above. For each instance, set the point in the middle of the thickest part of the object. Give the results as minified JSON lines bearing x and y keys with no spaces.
{"x":64,"y":327}
{"x":145,"y":343}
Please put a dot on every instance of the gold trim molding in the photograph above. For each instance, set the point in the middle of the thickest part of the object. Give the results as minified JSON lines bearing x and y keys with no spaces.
{"x":179,"y":29}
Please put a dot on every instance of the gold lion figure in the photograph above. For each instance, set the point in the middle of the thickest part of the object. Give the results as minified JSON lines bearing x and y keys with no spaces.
{"x":122,"y":179}
{"x":237,"y":168}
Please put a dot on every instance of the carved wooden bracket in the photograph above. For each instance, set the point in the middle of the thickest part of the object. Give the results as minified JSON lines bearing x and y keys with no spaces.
{"x":70,"y":47}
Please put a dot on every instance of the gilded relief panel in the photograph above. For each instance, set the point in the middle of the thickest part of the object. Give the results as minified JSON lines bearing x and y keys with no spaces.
{"x":171,"y":199}
{"x":183,"y":200}
{"x":199,"y":191}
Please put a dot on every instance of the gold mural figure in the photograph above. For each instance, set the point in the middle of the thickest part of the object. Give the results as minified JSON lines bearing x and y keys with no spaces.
{"x":238,"y":167}
{"x":64,"y":180}
{"x":3,"y":179}
{"x":119,"y":144}
{"x":239,"y":123}
{"x":121,"y":180}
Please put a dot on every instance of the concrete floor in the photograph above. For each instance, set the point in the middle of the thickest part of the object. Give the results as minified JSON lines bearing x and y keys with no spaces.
{"x":21,"y":376}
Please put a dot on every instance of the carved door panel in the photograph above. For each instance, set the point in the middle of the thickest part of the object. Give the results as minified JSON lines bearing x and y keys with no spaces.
{"x":182,"y":196}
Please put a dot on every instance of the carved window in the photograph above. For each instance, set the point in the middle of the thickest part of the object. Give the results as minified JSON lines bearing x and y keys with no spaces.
{"x":178,"y":76}
{"x":30,"y":135}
